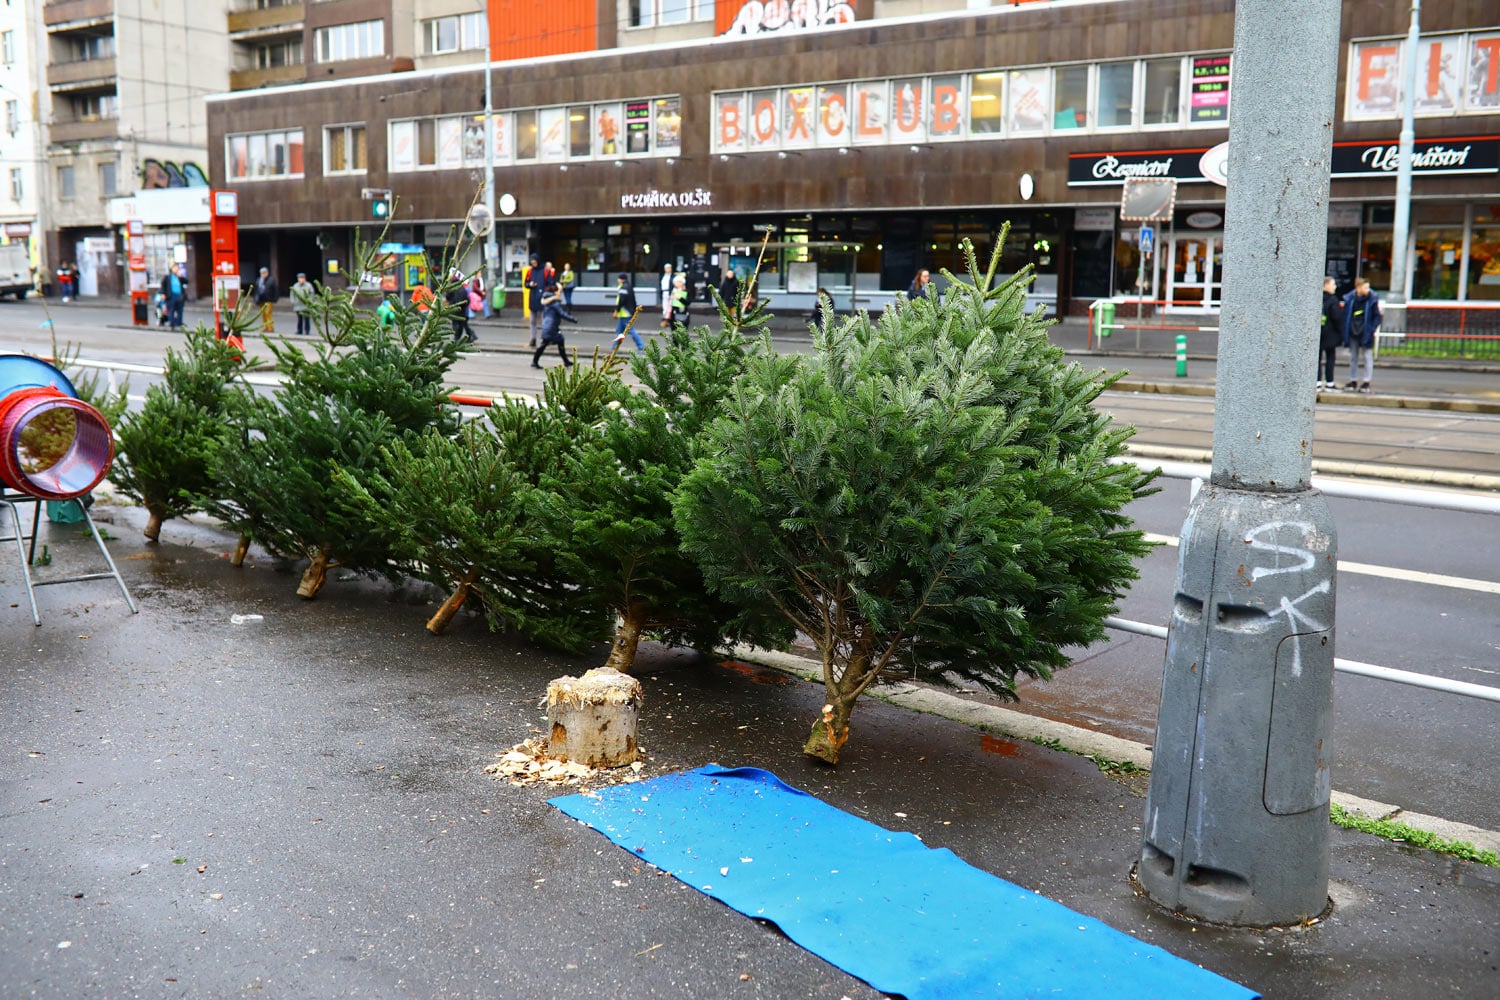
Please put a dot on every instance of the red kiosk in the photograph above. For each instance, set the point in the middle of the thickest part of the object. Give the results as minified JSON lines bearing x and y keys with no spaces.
{"x":224,"y":231}
{"x":135,"y":245}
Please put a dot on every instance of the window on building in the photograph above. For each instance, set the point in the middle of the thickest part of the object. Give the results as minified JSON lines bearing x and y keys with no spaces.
{"x":66,"y":188}
{"x":263,"y":155}
{"x":525,"y":135}
{"x":1070,"y":97}
{"x":344,"y":149}
{"x":455,"y":33}
{"x":360,"y":40}
{"x":1114,"y":99}
{"x":12,"y":117}
{"x":648,"y":13}
{"x":90,"y":107}
{"x":8,"y":47}
{"x":579,"y":131}
{"x":108,"y":178}
{"x":17,"y":185}
{"x":288,"y":53}
{"x":1484,"y":262}
{"x":1162,"y":93}
{"x":987,"y":104}
{"x":89,"y":47}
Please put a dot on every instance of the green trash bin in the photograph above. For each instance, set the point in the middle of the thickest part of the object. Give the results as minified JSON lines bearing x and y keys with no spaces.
{"x":1104,"y":319}
{"x":497,"y":299}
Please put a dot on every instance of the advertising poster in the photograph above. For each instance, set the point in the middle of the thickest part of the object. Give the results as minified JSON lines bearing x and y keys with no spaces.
{"x":474,"y":141}
{"x":763,"y":127}
{"x":403,"y":145}
{"x":450,"y":138}
{"x":833,"y":114}
{"x":1483,"y":90}
{"x":729,"y":122}
{"x":1375,"y":80}
{"x":870,"y":111}
{"x":668,"y":125}
{"x":1029,"y":102}
{"x":797,"y":117}
{"x":1208,"y":100}
{"x":908,"y":110}
{"x":1438,"y":64}
{"x":552,"y":125}
{"x":638,"y":127}
{"x":608,"y":130}
{"x":504,"y":125}
{"x":945,"y":118}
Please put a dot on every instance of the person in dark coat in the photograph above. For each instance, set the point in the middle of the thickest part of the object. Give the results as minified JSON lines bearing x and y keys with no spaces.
{"x":1361,"y":325}
{"x":457,"y":296}
{"x":1330,"y":336}
{"x":174,"y":294}
{"x":553,"y":314}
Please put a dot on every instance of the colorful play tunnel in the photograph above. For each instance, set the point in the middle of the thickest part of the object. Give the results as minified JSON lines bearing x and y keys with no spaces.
{"x":53,"y":445}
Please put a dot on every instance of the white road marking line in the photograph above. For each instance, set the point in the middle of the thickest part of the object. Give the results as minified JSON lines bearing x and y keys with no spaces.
{"x":1388,"y":572}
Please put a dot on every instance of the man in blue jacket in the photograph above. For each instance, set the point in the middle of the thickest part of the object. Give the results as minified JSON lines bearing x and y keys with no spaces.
{"x":1361,"y":324}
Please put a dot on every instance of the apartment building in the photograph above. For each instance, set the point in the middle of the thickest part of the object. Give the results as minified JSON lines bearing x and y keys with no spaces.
{"x":21,"y":150}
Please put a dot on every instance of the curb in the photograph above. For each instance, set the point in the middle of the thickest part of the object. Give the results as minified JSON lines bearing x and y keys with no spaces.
{"x":1087,"y":743}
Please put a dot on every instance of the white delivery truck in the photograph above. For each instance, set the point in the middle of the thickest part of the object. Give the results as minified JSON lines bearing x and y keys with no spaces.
{"x":15,"y":270}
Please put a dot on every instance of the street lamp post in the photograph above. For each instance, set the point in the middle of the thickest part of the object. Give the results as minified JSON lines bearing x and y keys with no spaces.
{"x":1401,"y":223}
{"x":491,"y":248}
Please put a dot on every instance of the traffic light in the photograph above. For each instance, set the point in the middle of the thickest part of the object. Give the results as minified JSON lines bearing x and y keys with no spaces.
{"x":380,"y":208}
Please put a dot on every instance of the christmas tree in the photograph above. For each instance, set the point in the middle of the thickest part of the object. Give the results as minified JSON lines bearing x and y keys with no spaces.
{"x":167,"y":449}
{"x":363,"y":388}
{"x":934,"y":493}
{"x":610,"y":502}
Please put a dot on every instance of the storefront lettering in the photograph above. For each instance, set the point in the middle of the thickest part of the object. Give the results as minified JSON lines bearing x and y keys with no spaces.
{"x":694,"y":198}
{"x":1388,"y":158}
{"x":1110,"y":168}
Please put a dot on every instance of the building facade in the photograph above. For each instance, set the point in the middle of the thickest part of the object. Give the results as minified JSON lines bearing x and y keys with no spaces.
{"x":871,"y":138}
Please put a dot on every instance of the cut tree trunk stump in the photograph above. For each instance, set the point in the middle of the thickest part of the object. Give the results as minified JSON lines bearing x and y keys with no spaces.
{"x":594,"y":718}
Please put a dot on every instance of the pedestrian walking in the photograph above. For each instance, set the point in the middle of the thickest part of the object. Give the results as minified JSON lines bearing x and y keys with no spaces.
{"x":553,"y":313}
{"x":174,"y":294}
{"x":458,"y":297}
{"x":266,"y":294}
{"x":478,"y":287}
{"x":67,"y":280}
{"x":1330,"y":336}
{"x":1361,"y":323}
{"x":681,"y":301}
{"x":625,"y":306}
{"x":534,"y":279}
{"x":666,"y":296}
{"x":303,"y":296}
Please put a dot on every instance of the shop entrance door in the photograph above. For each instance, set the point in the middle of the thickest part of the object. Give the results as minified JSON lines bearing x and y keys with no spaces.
{"x":1196,"y":274}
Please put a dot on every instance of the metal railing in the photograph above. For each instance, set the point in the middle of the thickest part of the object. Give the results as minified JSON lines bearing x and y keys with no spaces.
{"x":1469,"y":331}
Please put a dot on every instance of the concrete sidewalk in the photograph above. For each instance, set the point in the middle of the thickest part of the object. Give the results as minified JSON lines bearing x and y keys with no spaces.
{"x":296,"y":807}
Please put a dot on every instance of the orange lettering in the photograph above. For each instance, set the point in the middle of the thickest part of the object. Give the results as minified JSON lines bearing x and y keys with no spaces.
{"x":1368,"y":72}
{"x":944,"y":109}
{"x":835,"y":115}
{"x":729,"y":125}
{"x":1492,"y":78}
{"x":908,"y":99}
{"x":863,"y":126}
{"x":798,"y":123}
{"x":765,"y":130}
{"x":1434,"y":68}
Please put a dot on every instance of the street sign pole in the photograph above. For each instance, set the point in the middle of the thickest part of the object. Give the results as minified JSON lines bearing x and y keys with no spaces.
{"x":1236,"y":827}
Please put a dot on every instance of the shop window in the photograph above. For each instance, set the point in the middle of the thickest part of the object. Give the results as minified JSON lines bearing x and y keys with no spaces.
{"x":1028,"y":100}
{"x":1375,"y":259}
{"x":1162,"y":93}
{"x":1070,"y":99}
{"x":1436,"y":264}
{"x":1114,"y":101}
{"x":987,"y":104}
{"x":1484,"y":264}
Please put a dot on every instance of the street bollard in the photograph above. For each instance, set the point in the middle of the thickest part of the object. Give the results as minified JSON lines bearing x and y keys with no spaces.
{"x":1182,"y":355}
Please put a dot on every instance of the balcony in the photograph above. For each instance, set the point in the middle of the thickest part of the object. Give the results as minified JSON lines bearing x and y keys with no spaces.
{"x":85,"y":130}
{"x":77,"y":11}
{"x":250,"y":79}
{"x":265,"y":21}
{"x":69,"y":75}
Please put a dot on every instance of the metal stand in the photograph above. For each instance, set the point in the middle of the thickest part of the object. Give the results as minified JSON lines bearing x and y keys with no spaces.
{"x":9,"y":500}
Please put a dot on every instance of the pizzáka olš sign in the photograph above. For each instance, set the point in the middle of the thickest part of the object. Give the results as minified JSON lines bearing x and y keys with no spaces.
{"x":1430,"y":157}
